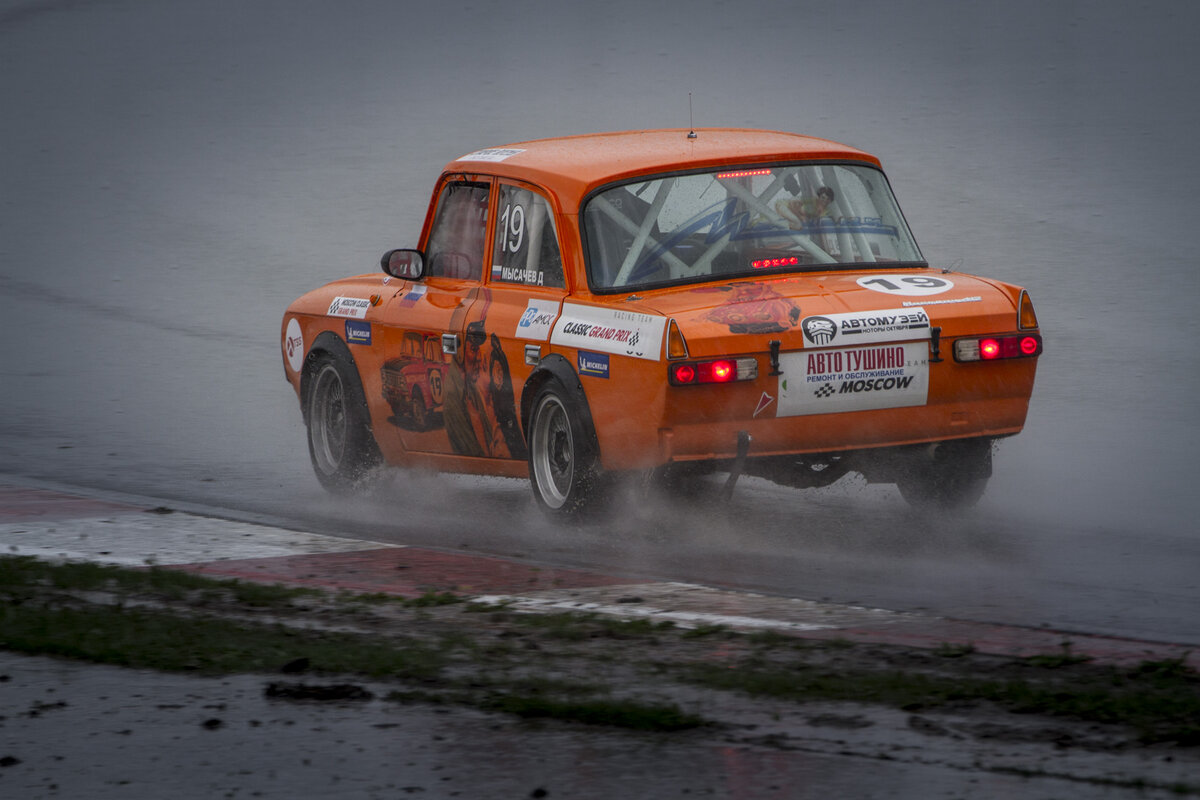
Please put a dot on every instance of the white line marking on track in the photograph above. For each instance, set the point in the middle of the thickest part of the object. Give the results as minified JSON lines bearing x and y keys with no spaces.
{"x":178,"y":538}
{"x":684,"y":619}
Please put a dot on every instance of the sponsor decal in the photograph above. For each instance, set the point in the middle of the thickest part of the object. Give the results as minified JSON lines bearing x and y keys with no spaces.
{"x":358,"y":332}
{"x":293,"y":345}
{"x":355,"y":307}
{"x":819,"y":330}
{"x":413,"y":295}
{"x":594,"y":364}
{"x":623,"y":333}
{"x":974,"y":299}
{"x":537,"y":320}
{"x":492,"y":154}
{"x":854,"y":379}
{"x":763,"y":403}
{"x":887,"y":325}
{"x":911,"y":285}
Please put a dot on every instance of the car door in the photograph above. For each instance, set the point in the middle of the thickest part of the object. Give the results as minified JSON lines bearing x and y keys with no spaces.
{"x":422,"y":377}
{"x":509,"y":327}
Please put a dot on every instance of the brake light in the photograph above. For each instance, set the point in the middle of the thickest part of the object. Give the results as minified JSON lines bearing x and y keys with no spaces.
{"x":992,"y":348}
{"x":743,"y":173}
{"x":723,"y":370}
{"x":767,"y":263}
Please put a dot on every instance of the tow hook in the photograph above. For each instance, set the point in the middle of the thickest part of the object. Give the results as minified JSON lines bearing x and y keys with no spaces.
{"x":935,"y":345}
{"x":774,"y":346}
{"x":735,"y":472}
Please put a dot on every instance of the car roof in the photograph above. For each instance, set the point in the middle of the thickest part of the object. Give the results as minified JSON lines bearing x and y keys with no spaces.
{"x":572,"y":166}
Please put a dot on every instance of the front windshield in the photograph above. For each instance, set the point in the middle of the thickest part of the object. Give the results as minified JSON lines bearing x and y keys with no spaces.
{"x":703,"y":226}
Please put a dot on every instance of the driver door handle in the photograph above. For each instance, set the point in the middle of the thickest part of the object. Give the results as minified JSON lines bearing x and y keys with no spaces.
{"x":450,"y":343}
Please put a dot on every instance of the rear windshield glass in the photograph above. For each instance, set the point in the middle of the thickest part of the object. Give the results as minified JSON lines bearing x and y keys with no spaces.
{"x":712,"y":225}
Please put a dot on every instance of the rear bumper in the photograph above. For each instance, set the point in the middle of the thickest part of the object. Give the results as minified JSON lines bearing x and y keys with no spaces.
{"x":832,"y":433}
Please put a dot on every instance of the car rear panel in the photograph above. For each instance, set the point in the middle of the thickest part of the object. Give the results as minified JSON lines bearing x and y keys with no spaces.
{"x":856,"y":368}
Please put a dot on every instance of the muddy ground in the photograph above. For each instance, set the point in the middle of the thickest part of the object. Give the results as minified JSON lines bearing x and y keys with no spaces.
{"x":570,"y":705}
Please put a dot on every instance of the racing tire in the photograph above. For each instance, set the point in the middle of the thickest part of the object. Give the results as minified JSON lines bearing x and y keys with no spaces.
{"x":344,"y":454}
{"x":955,"y":478}
{"x":563,"y":463}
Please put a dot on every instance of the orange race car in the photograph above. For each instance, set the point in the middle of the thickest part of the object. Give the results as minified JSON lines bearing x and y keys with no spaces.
{"x":662,"y":302}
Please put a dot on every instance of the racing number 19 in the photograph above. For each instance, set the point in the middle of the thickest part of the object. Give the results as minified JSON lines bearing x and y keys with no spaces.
{"x":919,"y":282}
{"x":512,"y":222}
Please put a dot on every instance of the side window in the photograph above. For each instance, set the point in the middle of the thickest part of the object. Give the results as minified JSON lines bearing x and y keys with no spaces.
{"x":526,"y":246}
{"x":456,"y":240}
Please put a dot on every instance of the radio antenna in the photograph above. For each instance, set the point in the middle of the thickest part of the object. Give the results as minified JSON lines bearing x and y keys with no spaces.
{"x":691,"y":124}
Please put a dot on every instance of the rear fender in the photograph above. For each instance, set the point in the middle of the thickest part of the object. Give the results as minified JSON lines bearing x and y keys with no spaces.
{"x":555,"y":366}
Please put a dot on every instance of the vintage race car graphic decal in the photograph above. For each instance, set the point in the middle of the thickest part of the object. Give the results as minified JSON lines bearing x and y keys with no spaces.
{"x":594,"y":364}
{"x":537,"y":320}
{"x":887,"y":325}
{"x":293,"y":345}
{"x":622,"y":333}
{"x":911,"y":285}
{"x":754,"y":308}
{"x":358,"y":332}
{"x":355,"y":307}
{"x":491,"y":154}
{"x":853,"y":379}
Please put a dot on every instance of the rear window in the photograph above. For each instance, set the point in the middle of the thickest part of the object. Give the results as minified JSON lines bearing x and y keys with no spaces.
{"x":714,"y":225}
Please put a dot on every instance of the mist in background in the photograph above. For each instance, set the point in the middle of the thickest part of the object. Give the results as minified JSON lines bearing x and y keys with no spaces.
{"x":174,"y":173}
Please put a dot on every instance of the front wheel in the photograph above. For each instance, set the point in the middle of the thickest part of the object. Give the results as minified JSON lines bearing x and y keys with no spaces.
{"x":954,"y":478}
{"x":563,"y":465}
{"x":343,"y":449}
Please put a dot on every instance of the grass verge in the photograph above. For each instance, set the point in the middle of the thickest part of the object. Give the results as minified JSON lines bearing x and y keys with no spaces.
{"x":172,"y":620}
{"x":1159,"y":700}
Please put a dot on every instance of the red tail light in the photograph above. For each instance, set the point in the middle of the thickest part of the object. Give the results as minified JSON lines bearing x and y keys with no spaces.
{"x":992,"y":348}
{"x":723,"y":370}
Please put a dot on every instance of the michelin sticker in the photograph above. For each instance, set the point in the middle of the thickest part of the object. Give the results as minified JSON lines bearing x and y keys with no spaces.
{"x":594,"y":364}
{"x":622,"y":333}
{"x":358,"y":332}
{"x":293,"y":345}
{"x":492,"y":154}
{"x":861,"y":327}
{"x":355,"y":307}
{"x":537,"y":320}
{"x":910,"y":285}
{"x":853,"y":379}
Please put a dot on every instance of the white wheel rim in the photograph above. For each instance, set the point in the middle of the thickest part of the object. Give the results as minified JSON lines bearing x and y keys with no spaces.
{"x":553,"y":450}
{"x":328,"y":423}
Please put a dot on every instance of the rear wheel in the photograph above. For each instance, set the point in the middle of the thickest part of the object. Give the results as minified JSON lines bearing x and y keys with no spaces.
{"x":955,"y":477}
{"x":562,"y":461}
{"x":343,"y":449}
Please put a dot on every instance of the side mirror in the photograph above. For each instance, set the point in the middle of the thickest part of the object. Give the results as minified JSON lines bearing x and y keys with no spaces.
{"x":406,"y":264}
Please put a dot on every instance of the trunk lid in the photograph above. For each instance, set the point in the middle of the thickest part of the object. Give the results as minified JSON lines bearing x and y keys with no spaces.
{"x":831,"y":309}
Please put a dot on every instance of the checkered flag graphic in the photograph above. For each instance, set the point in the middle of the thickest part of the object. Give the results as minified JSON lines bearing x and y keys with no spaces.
{"x":824,"y":391}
